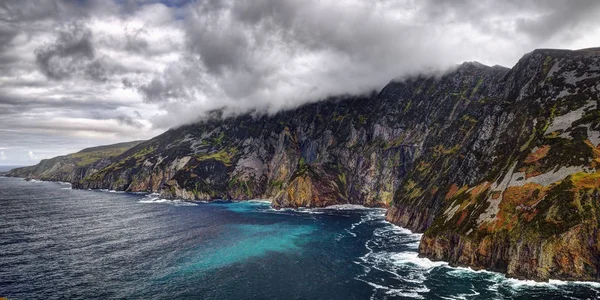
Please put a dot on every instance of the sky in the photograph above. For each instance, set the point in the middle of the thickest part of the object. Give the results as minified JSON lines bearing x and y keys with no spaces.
{"x":75,"y":74}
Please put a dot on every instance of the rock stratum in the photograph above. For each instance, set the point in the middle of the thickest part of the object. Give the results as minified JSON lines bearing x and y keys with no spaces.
{"x":496,"y":166}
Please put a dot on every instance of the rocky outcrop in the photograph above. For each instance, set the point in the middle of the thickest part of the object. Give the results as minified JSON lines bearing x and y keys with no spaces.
{"x":75,"y":166}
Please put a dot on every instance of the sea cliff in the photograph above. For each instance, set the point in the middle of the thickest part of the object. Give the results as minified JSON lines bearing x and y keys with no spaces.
{"x":496,"y":166}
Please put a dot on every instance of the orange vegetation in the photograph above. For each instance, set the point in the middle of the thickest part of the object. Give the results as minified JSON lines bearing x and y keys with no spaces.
{"x":538,"y":154}
{"x":480,"y":189}
{"x":584,"y":180}
{"x":517,"y":202}
{"x":596,"y":151}
{"x":454,"y":190}
{"x":433,"y":190}
{"x":463,"y":216}
{"x":451,"y":191}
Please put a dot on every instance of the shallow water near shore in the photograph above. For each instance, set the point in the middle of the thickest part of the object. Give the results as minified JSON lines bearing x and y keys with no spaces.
{"x":58,"y":243}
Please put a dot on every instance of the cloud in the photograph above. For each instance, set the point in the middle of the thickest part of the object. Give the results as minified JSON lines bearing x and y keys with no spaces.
{"x":271,"y":55}
{"x":31,"y":155}
{"x":3,"y":156}
{"x":72,"y":54}
{"x":81,"y":73}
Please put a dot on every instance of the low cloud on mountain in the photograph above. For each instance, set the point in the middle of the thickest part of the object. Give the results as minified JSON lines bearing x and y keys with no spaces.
{"x":82,"y":73}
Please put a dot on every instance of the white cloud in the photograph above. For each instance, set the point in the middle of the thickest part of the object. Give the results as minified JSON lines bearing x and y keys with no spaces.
{"x":3,"y":156}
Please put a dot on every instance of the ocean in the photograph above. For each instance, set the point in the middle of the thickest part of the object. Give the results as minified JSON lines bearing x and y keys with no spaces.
{"x":59,"y":243}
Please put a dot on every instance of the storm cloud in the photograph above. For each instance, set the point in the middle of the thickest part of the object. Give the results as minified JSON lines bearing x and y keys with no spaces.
{"x":82,"y":73}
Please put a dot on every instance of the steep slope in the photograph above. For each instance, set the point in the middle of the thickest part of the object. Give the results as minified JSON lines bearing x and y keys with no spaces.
{"x":520,"y":192}
{"x":75,"y":166}
{"x":346,"y":150}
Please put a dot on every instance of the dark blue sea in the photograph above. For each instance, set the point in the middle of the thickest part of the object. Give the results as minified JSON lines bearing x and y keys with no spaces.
{"x":59,"y":243}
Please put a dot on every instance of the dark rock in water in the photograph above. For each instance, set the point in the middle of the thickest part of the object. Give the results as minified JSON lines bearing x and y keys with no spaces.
{"x":496,"y":166}
{"x":28,"y":179}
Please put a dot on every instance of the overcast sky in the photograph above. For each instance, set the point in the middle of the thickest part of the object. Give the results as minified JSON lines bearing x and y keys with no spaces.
{"x":75,"y":74}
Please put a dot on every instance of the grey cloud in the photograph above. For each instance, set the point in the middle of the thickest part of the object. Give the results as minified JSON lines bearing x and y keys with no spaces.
{"x":7,"y":34}
{"x":127,"y":83}
{"x":73,"y":54}
{"x":25,"y":104}
{"x":559,"y":18}
{"x":135,"y":42}
{"x":129,"y":121}
{"x":182,"y":81}
{"x":538,"y":20}
{"x":18,"y":11}
{"x":72,"y":51}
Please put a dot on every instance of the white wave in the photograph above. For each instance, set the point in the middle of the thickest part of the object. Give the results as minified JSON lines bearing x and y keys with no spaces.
{"x":309,"y":211}
{"x":351,"y":233}
{"x":461,"y":272}
{"x":590,"y":283}
{"x":407,"y":293}
{"x":259,"y":201}
{"x":66,"y":188}
{"x":300,"y":210}
{"x":373,"y":214}
{"x":347,"y":207}
{"x":521,"y":283}
{"x":500,"y":279}
{"x":413,"y":258}
{"x":155,"y":200}
{"x":460,"y":296}
{"x":111,"y":191}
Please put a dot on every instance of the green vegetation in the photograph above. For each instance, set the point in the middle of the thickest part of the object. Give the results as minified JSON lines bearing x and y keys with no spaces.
{"x":407,"y":106}
{"x":362,"y":119}
{"x":546,"y":66}
{"x":92,"y":155}
{"x":469,"y":119}
{"x":476,"y":88}
{"x":225,"y":156}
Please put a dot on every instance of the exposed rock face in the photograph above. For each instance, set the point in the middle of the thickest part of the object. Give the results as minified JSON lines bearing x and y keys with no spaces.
{"x":497,"y":166}
{"x":75,"y":166}
{"x":520,"y":193}
{"x":354,"y":150}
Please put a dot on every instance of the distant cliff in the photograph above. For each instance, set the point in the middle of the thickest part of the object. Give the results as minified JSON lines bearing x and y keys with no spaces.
{"x":75,"y":166}
{"x":496,"y":166}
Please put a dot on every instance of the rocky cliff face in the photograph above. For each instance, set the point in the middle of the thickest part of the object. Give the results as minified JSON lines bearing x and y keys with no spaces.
{"x":73,"y":167}
{"x":519,"y":192}
{"x":354,"y":150}
{"x":497,"y":166}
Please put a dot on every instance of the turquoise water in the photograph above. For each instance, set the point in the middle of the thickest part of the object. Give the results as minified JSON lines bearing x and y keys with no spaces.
{"x":58,"y":243}
{"x":244,"y":242}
